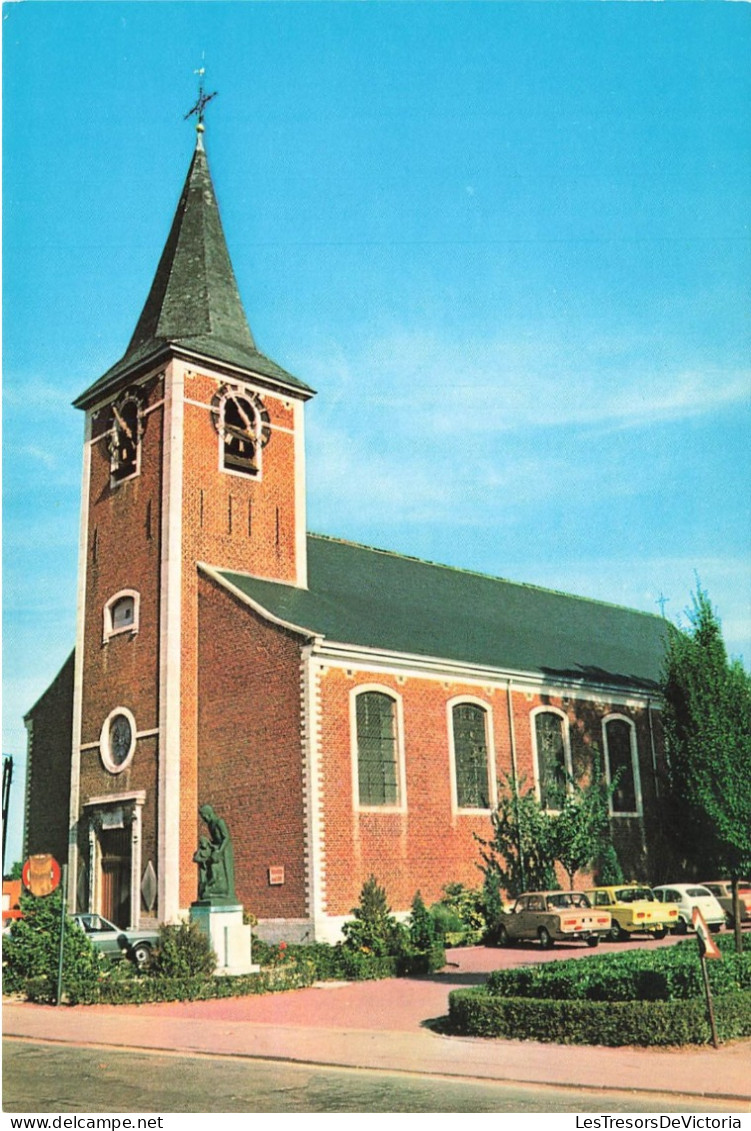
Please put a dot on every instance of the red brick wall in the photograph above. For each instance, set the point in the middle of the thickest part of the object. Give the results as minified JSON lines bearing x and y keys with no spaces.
{"x":236,"y":522}
{"x":250,"y":760}
{"x":430,"y":844}
{"x":48,"y":796}
{"x":124,"y":547}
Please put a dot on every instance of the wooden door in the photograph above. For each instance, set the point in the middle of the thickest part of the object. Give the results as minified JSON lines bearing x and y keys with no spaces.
{"x":115,"y":886}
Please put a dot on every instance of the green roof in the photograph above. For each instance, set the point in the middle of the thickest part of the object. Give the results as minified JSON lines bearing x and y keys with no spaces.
{"x":194,"y":304}
{"x":376,"y":599}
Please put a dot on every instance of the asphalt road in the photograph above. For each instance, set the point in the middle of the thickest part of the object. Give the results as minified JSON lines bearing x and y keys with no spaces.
{"x":56,"y":1079}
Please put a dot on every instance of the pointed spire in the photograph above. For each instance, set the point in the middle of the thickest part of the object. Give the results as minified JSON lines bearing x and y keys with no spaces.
{"x":194,"y":304}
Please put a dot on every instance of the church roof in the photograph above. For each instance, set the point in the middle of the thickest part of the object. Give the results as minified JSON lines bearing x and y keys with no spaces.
{"x":370,"y":598}
{"x":194,"y":304}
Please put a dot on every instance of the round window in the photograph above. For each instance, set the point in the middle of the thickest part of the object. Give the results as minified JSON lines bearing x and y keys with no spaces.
{"x":118,"y":739}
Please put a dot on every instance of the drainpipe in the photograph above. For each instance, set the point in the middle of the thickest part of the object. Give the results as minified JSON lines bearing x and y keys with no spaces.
{"x":515,"y":784}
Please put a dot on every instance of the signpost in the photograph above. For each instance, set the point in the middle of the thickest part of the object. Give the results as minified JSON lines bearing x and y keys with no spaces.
{"x":707,"y":949}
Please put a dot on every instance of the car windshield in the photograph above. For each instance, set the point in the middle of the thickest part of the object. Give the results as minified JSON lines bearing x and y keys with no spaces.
{"x":568,"y":899}
{"x":697,"y":893}
{"x":630,"y":895}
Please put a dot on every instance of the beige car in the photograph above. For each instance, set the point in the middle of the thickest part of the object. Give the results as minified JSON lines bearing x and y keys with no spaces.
{"x":722,"y":890}
{"x":553,"y":916}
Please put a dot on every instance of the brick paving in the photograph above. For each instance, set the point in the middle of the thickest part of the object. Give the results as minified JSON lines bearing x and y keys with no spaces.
{"x":385,"y":1025}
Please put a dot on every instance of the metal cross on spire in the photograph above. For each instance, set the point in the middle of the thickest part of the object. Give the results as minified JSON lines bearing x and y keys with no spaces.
{"x":203,"y":98}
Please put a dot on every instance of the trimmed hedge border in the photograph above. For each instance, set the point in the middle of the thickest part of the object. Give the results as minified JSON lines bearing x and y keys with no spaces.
{"x":141,"y":988}
{"x":475,"y":1012}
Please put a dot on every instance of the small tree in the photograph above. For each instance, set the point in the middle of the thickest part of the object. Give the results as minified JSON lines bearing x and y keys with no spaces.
{"x":519,"y":855}
{"x":707,"y":721}
{"x":422,"y":929}
{"x":581,"y":830}
{"x":374,"y":928}
{"x":31,"y":952}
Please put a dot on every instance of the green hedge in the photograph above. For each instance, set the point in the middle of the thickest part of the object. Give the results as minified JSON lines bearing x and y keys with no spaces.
{"x":478,"y":1013}
{"x":666,"y":974}
{"x":285,"y":968}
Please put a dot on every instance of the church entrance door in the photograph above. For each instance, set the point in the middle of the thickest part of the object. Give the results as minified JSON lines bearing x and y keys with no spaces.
{"x":115,"y":889}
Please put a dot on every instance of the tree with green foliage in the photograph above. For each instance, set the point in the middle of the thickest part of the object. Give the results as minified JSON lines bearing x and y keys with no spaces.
{"x":519,"y":854}
{"x":373,"y":927}
{"x":581,"y":830}
{"x":422,"y":928}
{"x":31,"y":951}
{"x":707,"y":723}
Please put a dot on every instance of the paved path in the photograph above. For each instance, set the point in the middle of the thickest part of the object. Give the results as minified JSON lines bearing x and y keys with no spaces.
{"x":384,"y":1025}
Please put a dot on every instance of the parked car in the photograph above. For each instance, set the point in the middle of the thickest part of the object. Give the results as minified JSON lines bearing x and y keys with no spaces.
{"x":722,"y":890}
{"x":634,"y":910}
{"x":116,"y":942}
{"x":553,"y":916}
{"x":687,"y":897}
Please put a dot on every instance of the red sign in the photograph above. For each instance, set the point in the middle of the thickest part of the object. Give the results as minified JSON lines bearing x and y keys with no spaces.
{"x":41,"y":874}
{"x":707,"y":946}
{"x":276,"y":874}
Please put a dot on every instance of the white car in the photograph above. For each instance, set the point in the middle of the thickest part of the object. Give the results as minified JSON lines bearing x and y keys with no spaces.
{"x":687,"y":897}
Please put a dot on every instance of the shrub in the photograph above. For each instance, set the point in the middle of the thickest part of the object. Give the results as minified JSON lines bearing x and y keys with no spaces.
{"x":459,"y":916}
{"x":374,"y":929}
{"x":668,"y":974}
{"x":646,"y":997}
{"x":31,"y":951}
{"x":422,"y":928}
{"x":184,"y":951}
{"x":478,"y":1013}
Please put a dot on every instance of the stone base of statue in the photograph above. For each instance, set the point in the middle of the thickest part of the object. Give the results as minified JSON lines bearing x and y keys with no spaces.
{"x":229,"y":936}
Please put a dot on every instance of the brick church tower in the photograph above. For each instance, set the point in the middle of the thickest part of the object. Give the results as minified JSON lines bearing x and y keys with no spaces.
{"x":194,"y":452}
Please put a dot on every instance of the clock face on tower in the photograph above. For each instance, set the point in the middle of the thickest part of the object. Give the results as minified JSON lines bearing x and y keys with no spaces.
{"x":117,"y":741}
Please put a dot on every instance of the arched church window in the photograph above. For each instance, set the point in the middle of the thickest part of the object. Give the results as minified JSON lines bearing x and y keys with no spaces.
{"x":469,"y":724}
{"x":377,"y":749}
{"x":553,"y":758}
{"x":621,"y":765}
{"x":243,"y":426}
{"x":125,"y":438}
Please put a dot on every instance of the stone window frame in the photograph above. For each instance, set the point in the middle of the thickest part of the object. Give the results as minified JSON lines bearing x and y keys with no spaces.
{"x":118,"y":408}
{"x":104,"y":741}
{"x":485,"y":707}
{"x":261,"y":427}
{"x":617,"y":717}
{"x":400,"y":805}
{"x":108,"y":618}
{"x":547,"y":709}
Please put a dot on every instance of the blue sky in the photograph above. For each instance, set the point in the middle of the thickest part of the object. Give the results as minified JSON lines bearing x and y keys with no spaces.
{"x":507,"y":243}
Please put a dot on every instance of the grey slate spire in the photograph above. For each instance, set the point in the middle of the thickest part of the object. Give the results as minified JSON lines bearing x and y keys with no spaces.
{"x":194,"y":305}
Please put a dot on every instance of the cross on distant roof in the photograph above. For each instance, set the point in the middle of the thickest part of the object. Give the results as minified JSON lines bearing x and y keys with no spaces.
{"x":662,"y":602}
{"x":202,"y":98}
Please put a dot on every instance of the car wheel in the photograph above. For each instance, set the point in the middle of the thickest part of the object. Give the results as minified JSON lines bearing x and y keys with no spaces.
{"x":681,"y":927}
{"x":593,"y":940}
{"x":503,"y":937}
{"x":617,"y":934}
{"x":546,"y":940}
{"x":141,"y":954}
{"x":660,"y":932}
{"x":715,"y":928}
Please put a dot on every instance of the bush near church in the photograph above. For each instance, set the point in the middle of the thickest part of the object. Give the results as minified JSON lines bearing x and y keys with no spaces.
{"x":640,"y":998}
{"x":375,"y":946}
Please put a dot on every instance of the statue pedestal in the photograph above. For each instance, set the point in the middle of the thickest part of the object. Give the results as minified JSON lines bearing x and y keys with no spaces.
{"x":229,"y":936}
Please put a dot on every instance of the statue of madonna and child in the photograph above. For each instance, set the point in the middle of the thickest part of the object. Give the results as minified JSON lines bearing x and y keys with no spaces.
{"x":215,"y":860}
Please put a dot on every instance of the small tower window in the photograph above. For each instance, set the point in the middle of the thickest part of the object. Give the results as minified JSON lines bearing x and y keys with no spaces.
{"x":125,"y":438}
{"x":242,"y":423}
{"x":121,"y":614}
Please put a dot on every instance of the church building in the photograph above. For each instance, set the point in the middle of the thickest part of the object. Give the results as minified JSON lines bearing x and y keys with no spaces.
{"x":346,"y":710}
